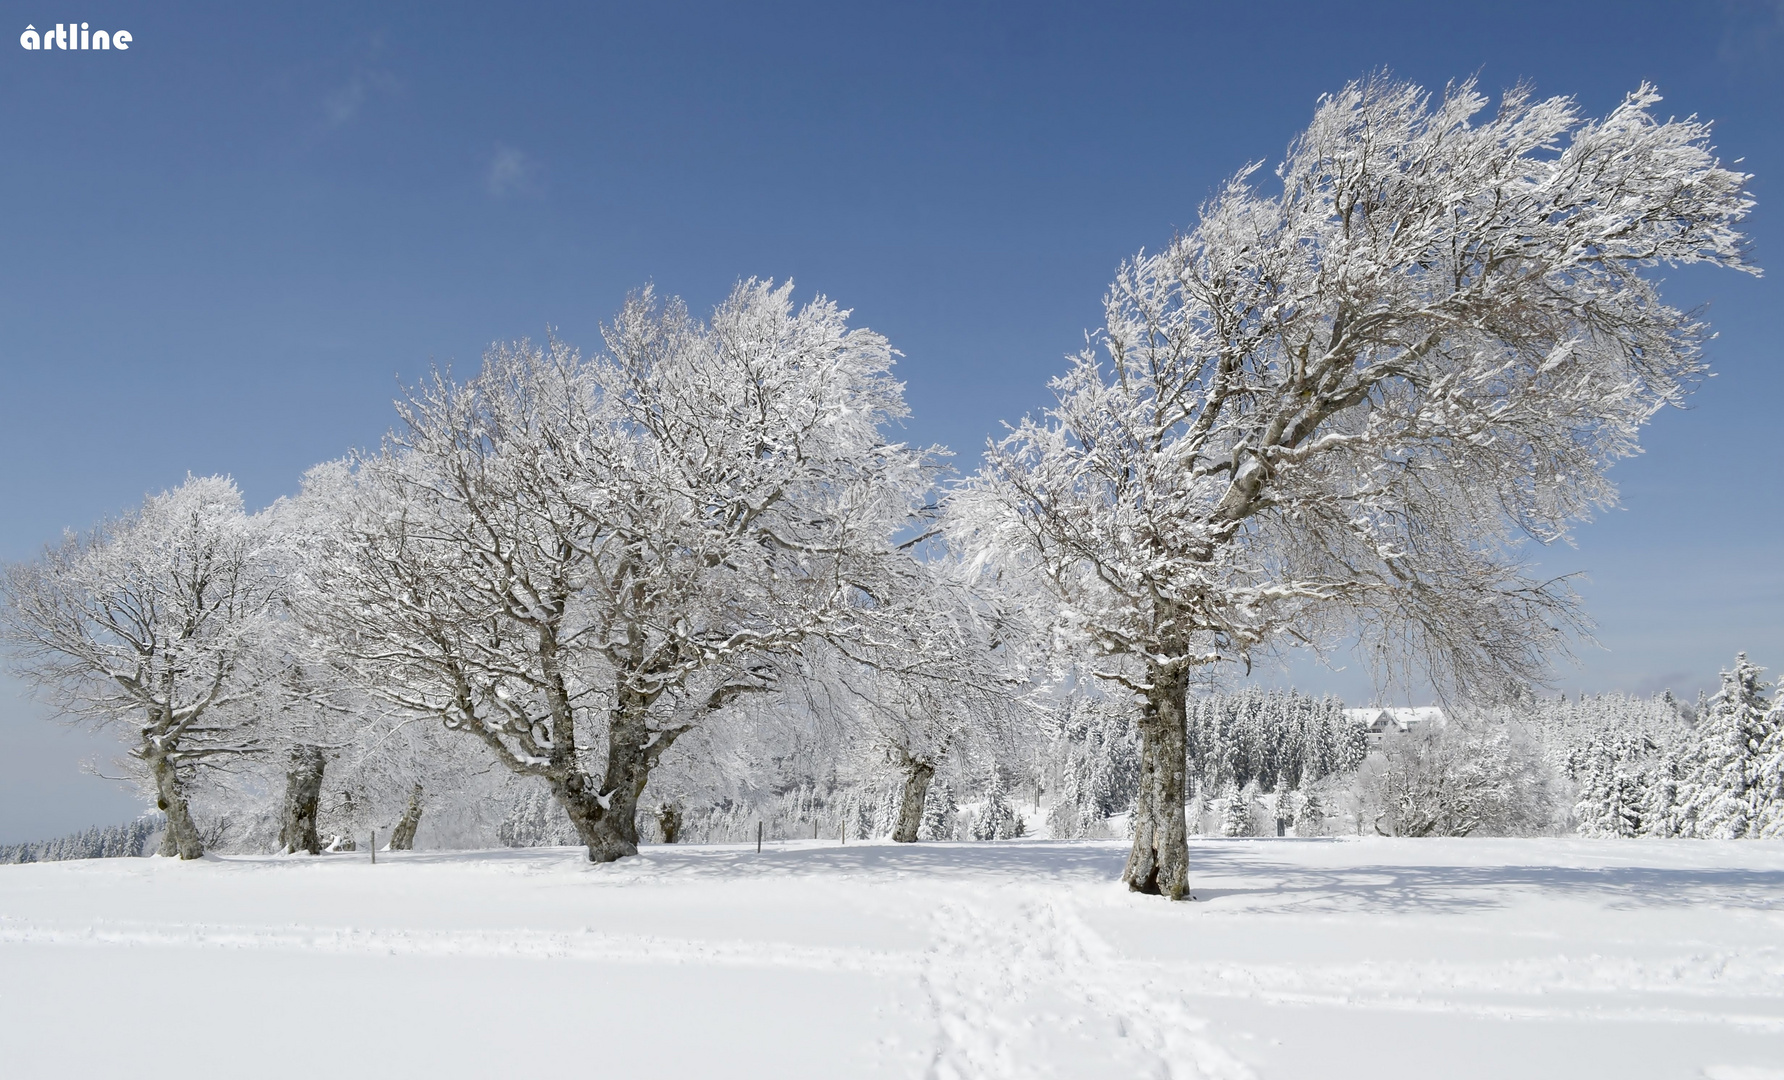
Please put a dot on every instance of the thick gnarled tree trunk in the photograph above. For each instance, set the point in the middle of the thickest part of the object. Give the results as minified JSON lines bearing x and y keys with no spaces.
{"x":181,"y":836}
{"x":917,"y":775}
{"x":607,"y":820}
{"x":1159,"y":862}
{"x":303,"y":793}
{"x":402,"y":837}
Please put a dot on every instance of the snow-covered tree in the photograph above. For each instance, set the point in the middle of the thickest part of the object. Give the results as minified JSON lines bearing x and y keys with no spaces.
{"x":1621,"y":754}
{"x":773,"y":757}
{"x":150,"y":625}
{"x":1613,"y":799}
{"x":1339,"y":409}
{"x":940,"y":813}
{"x":1471,"y":776}
{"x":1310,"y":814}
{"x":1725,"y":793}
{"x":1768,"y":773}
{"x":935,"y":667}
{"x":1239,"y":816}
{"x":127,"y":841}
{"x":1269,"y":735}
{"x":576,"y":560}
{"x":996,"y":818}
{"x":1096,"y":753}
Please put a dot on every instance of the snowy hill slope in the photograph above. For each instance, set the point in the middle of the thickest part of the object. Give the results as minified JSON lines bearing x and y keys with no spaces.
{"x":1377,"y":958}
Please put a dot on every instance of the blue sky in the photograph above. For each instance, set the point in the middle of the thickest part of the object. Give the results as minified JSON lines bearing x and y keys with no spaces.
{"x":229,"y":247}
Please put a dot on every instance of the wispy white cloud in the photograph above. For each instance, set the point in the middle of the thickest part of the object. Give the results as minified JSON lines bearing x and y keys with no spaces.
{"x":366,"y":79}
{"x":514,"y":172}
{"x":342,"y":104}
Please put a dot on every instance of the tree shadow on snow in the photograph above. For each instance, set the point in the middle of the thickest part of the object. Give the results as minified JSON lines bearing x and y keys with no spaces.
{"x":1260,"y":874}
{"x":1054,"y":860}
{"x":1247,"y":873}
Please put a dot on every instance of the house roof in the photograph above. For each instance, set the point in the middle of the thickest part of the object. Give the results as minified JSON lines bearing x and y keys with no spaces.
{"x":1379,"y":719}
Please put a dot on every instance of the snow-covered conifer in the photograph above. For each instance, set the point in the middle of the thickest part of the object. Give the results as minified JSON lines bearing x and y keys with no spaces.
{"x":997,"y":819}
{"x":1310,"y":815}
{"x":1724,"y":794}
{"x":1239,"y":816}
{"x":1097,"y":750}
{"x":1768,"y":772}
{"x":940,"y":813}
{"x":1614,"y":799}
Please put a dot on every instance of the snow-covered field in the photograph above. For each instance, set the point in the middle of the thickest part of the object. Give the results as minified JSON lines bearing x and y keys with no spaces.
{"x":1349,"y":958}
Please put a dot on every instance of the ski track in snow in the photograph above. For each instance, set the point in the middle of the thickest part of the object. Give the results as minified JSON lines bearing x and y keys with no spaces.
{"x":1005,"y":976}
{"x":991,"y":959}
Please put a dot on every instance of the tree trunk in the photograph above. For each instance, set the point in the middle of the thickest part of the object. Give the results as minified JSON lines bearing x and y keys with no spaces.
{"x":303,"y":791}
{"x":181,"y":837}
{"x":669,"y":820}
{"x":402,"y":838}
{"x":1159,"y":863}
{"x":917,"y":775}
{"x":611,"y":830}
{"x":607,"y":820}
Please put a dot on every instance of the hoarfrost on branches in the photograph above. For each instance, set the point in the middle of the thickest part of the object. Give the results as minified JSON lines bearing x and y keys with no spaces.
{"x":1341,"y":408}
{"x":571,"y":559}
{"x":152,"y":624}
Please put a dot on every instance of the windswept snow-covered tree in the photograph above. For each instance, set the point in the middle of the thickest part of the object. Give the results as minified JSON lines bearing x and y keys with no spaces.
{"x":351,"y":762}
{"x":151,"y":624}
{"x":574,"y":560}
{"x":1341,"y":408}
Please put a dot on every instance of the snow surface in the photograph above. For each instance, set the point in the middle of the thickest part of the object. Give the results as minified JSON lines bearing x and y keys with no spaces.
{"x":1329,"y":958}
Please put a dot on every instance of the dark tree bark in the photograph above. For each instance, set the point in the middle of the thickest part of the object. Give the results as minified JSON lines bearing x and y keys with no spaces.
{"x":917,"y":775}
{"x":303,"y":792}
{"x":181,"y":837}
{"x":1159,"y":862}
{"x":669,"y":820}
{"x":607,"y":819}
{"x":402,"y":837}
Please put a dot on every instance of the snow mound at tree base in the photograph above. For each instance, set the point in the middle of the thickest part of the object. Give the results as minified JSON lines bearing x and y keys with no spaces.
{"x":1347,"y":958}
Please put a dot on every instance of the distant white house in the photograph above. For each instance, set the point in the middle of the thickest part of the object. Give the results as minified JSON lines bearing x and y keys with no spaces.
{"x":1379,"y":721}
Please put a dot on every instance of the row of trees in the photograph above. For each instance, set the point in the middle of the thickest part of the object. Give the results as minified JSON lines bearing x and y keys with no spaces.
{"x":1600,"y":766}
{"x":567,"y":563}
{"x":1330,"y":413}
{"x":128,"y":840}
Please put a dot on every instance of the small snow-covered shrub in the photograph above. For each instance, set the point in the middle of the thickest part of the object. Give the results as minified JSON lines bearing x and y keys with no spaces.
{"x":1469,"y":777}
